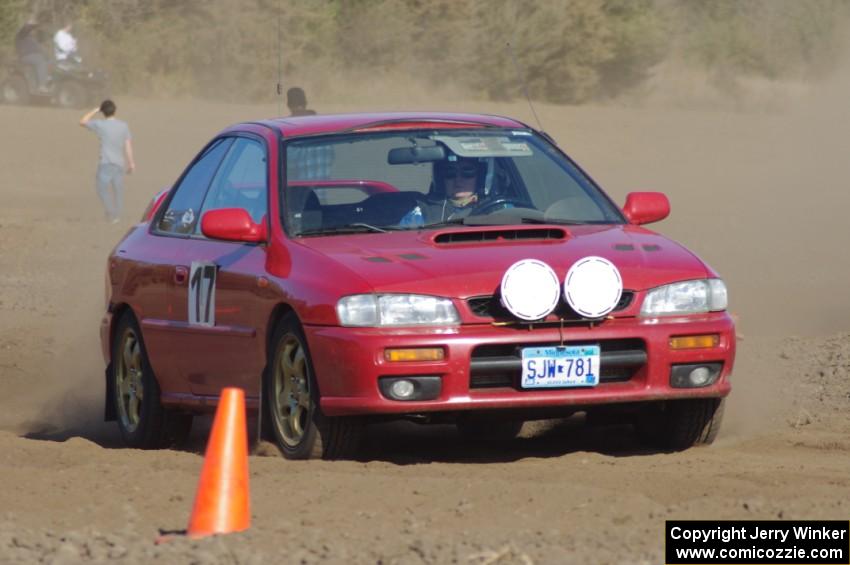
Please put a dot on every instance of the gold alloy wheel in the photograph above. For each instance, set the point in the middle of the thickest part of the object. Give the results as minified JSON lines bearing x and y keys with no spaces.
{"x":291,"y":402}
{"x":129,"y":381}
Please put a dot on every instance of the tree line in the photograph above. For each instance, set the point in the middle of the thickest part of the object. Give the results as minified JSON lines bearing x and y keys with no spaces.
{"x":566,"y":51}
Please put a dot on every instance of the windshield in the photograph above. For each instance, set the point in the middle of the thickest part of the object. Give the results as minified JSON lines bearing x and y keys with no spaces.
{"x":425,"y":179}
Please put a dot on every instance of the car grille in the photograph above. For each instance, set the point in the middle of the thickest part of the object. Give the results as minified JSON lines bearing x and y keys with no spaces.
{"x":491,"y":307}
{"x":500,"y":366}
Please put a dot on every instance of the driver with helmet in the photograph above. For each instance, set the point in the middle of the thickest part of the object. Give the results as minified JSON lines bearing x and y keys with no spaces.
{"x":461,"y":179}
{"x":458,"y":182}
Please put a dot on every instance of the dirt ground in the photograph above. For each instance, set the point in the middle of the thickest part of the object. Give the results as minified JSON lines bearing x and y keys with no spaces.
{"x":761,"y":195}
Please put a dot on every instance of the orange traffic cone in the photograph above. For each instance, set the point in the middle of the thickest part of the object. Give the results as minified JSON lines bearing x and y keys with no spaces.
{"x":222,"y":501}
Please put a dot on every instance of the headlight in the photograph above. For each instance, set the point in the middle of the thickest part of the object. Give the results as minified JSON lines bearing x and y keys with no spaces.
{"x":396,"y":310}
{"x":688,"y":297}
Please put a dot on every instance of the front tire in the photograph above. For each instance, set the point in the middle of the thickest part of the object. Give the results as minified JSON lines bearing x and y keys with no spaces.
{"x":142,"y":420}
{"x":15,"y":90}
{"x":680,"y":424}
{"x":292,"y":396}
{"x":71,"y":94}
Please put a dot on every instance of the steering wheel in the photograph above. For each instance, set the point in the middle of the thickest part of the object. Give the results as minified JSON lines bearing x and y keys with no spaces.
{"x":488,"y":207}
{"x":421,"y":199}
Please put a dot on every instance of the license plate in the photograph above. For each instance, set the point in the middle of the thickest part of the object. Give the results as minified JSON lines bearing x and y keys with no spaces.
{"x":560,"y":366}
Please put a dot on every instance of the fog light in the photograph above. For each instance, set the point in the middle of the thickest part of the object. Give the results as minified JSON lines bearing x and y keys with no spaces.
{"x":699,"y":376}
{"x":415,"y":354}
{"x":694,"y":376}
{"x":419,"y":387}
{"x":694,"y":341}
{"x":402,"y":389}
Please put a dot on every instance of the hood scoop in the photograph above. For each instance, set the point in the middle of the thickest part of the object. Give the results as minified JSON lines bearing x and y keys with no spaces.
{"x":500,"y":235}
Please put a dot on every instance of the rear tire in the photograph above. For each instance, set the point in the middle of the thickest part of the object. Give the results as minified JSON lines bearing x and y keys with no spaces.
{"x":142,"y":420}
{"x":680,"y":424}
{"x":292,"y":396}
{"x":15,"y":90}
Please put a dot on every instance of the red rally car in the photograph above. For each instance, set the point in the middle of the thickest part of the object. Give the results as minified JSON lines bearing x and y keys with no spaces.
{"x":431,"y":266}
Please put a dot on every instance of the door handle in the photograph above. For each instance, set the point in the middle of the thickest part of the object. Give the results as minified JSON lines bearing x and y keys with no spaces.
{"x":181,"y":275}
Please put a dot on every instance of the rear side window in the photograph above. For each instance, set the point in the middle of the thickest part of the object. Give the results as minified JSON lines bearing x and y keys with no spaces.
{"x":183,"y":210}
{"x":240,"y":181}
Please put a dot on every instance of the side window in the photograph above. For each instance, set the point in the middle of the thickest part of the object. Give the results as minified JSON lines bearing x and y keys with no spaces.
{"x":549,"y":190}
{"x":182,"y":213}
{"x":240,"y":181}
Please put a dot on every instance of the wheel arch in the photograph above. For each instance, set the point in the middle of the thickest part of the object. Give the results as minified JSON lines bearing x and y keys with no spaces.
{"x":279,"y":311}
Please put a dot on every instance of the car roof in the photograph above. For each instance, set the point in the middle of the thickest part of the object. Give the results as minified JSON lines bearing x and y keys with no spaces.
{"x":337,"y":123}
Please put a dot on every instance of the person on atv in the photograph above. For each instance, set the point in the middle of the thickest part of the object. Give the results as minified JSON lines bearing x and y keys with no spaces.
{"x":65,"y":46}
{"x":31,"y":53}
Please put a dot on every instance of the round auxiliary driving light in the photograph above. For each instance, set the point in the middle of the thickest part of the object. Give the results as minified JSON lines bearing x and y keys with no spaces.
{"x":402,"y":389}
{"x":530,"y":289}
{"x":700,"y":376}
{"x":593,"y":287}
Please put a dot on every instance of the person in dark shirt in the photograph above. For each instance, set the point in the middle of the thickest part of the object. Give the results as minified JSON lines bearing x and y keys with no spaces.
{"x":31,"y":53}
{"x":296,"y":100}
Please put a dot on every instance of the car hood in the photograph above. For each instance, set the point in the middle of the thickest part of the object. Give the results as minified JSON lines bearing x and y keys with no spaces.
{"x":469,"y":261}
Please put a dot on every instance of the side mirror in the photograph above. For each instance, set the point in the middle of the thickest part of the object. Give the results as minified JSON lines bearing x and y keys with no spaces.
{"x":232,"y":224}
{"x":646,"y":207}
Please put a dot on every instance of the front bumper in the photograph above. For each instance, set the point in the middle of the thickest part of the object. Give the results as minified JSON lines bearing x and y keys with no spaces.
{"x":477,"y":375}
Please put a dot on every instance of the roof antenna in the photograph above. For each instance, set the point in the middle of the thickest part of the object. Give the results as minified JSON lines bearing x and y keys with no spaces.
{"x":279,"y":85}
{"x":524,"y":84}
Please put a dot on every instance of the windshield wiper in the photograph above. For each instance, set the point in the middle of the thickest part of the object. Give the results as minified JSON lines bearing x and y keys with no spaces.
{"x":452,"y":222}
{"x":357,"y":227}
{"x":573,"y":222}
{"x":501,"y":218}
{"x":505,"y":221}
{"x":486,"y":221}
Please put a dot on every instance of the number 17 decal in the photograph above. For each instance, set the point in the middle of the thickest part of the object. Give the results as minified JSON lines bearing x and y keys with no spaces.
{"x":202,"y":293}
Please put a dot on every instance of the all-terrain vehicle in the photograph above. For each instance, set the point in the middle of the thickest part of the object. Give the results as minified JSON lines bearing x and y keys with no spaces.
{"x":71,"y":85}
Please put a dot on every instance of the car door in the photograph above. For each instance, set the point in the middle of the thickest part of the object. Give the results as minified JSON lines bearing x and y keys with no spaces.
{"x":219,"y":305}
{"x":166,"y":236}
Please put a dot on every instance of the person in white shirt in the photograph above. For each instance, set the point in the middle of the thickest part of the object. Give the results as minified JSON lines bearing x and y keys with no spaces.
{"x":64,"y":45}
